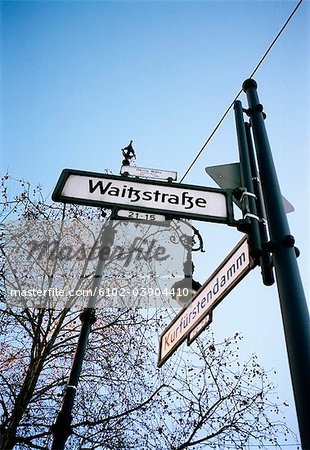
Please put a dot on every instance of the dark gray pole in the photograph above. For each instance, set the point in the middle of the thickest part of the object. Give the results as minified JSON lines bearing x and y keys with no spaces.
{"x":62,"y":427}
{"x":265,"y":259}
{"x":293,"y":304}
{"x":248,"y":200}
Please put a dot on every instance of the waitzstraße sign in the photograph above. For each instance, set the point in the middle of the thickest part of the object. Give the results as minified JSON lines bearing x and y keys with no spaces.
{"x":172,"y":199}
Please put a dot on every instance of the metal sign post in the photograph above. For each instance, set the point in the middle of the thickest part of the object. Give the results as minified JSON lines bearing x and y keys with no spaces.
{"x":62,"y":429}
{"x":293,"y":304}
{"x":248,"y":199}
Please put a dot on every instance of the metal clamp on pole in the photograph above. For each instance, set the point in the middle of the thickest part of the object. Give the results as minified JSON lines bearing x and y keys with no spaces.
{"x":247,"y":194}
{"x":251,"y":216}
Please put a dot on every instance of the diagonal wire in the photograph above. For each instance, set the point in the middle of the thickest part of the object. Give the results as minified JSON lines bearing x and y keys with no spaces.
{"x":238,"y":94}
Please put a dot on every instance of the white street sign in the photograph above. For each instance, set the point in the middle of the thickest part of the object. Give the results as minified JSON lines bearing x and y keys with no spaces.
{"x":136,"y":215}
{"x":145,"y":172}
{"x":177,"y":200}
{"x":202,"y":325}
{"x":235,"y":266}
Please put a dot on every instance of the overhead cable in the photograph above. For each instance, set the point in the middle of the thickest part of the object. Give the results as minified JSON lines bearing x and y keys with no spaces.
{"x":238,"y":94}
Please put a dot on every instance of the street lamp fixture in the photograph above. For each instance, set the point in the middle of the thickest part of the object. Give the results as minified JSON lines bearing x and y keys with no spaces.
{"x":184,"y":290}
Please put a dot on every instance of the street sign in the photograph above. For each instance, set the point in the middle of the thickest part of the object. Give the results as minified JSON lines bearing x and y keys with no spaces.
{"x":148,"y":196}
{"x":136,"y":215}
{"x":235,"y":266}
{"x":227,"y":176}
{"x":144,"y":172}
{"x":199,"y":328}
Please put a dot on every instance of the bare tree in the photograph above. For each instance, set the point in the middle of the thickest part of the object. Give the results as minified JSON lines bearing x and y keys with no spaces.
{"x":203,"y":399}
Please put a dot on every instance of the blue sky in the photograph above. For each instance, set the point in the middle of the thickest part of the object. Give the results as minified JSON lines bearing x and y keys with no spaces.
{"x":79,"y":79}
